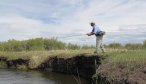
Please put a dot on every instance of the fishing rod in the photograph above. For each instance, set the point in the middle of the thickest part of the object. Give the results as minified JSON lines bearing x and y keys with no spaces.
{"x":77,"y":35}
{"x":69,"y":36}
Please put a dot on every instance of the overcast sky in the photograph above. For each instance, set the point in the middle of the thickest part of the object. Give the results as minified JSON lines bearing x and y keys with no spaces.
{"x":123,"y":20}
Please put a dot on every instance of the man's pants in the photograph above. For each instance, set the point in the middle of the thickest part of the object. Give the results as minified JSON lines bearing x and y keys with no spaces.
{"x":99,"y":44}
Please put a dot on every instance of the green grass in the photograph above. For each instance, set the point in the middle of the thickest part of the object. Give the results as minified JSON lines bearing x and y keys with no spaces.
{"x":138,"y":56}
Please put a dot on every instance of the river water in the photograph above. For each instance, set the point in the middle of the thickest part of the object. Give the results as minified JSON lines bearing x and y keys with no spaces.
{"x":9,"y":76}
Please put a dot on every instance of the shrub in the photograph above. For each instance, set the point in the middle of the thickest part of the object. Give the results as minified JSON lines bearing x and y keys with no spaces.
{"x":134,"y":46}
{"x":73,"y":46}
{"x":115,"y":45}
{"x":32,"y":44}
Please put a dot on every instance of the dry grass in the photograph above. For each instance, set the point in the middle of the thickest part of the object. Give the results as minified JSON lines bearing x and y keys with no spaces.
{"x":37,"y":57}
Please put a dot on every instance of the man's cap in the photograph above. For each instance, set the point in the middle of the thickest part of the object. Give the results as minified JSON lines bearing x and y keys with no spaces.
{"x":92,"y":23}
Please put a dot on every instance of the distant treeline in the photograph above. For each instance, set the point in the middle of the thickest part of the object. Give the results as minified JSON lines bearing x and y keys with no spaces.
{"x":54,"y":44}
{"x":37,"y":44}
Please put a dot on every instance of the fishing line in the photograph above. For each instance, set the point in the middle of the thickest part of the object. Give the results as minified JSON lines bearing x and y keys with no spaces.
{"x":70,"y":36}
{"x":84,"y":40}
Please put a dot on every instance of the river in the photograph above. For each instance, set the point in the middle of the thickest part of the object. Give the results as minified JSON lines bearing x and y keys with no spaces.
{"x":10,"y":76}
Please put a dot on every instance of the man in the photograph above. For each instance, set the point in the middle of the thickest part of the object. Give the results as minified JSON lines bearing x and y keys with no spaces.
{"x":99,"y":36}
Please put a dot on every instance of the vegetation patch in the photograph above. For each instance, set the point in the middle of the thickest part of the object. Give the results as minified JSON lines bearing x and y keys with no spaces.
{"x":3,"y":65}
{"x":123,"y":68}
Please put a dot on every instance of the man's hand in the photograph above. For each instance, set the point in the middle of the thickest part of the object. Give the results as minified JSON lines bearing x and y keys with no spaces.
{"x":89,"y":34}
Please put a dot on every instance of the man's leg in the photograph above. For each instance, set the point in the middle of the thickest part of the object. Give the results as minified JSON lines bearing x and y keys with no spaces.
{"x":101,"y":45}
{"x":102,"y":48}
{"x":98,"y":43}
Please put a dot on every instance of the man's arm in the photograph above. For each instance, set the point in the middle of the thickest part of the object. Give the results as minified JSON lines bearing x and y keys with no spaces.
{"x":90,"y":33}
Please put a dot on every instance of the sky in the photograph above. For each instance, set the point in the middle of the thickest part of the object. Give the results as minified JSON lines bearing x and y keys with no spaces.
{"x":68,"y":20}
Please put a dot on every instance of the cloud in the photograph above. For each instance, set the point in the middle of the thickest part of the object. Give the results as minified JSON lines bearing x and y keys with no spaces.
{"x":23,"y":19}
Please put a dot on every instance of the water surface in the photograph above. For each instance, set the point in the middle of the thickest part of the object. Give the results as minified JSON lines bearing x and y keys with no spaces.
{"x":35,"y":77}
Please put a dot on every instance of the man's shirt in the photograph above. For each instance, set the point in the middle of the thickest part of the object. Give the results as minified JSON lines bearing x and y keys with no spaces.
{"x":96,"y":30}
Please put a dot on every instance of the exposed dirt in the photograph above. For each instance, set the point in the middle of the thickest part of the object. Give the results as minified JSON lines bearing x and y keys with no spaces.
{"x":14,"y":63}
{"x":119,"y":73}
{"x":84,"y":66}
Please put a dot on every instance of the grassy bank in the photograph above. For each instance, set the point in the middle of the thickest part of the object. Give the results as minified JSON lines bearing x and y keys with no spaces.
{"x":118,"y":65}
{"x":113,"y":56}
{"x":37,"y":57}
{"x":127,"y":66}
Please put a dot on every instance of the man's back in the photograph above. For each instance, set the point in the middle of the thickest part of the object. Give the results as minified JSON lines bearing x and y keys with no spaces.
{"x":96,"y":30}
